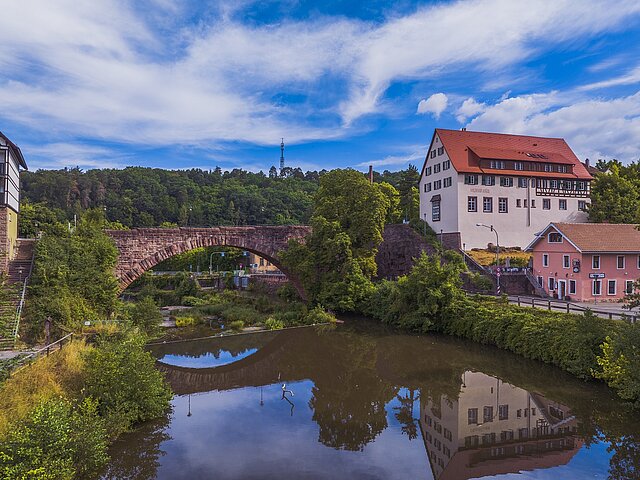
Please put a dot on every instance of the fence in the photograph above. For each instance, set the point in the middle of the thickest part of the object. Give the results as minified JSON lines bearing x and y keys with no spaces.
{"x":43,"y":352}
{"x":567,"y":307}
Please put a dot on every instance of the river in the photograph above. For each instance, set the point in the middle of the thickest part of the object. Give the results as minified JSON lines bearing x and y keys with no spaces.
{"x":364,"y":402}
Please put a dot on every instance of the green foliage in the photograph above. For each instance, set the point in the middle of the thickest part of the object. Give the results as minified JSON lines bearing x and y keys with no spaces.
{"x":619,"y":362}
{"x":186,"y":321}
{"x":423,"y":298}
{"x":273,"y":324}
{"x":318,"y":315}
{"x":123,"y":377}
{"x":58,"y":440}
{"x":615,"y":195}
{"x":146,"y":315}
{"x":73,"y":277}
{"x":236,"y":325}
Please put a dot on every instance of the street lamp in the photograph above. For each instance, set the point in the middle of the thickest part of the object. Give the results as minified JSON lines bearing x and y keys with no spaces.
{"x":490,"y":227}
{"x":211,"y":262}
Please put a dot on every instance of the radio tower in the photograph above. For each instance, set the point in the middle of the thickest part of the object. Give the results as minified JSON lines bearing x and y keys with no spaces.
{"x":281,"y":155}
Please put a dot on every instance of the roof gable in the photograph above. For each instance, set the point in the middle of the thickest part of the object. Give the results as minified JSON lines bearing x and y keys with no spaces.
{"x":15,"y":151}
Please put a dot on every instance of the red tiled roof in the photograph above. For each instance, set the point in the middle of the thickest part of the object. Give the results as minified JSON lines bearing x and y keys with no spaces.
{"x":600,"y":237}
{"x":463,"y":147}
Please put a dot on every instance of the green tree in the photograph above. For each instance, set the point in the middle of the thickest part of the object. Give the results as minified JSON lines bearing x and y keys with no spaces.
{"x":146,"y":315}
{"x":614,"y":198}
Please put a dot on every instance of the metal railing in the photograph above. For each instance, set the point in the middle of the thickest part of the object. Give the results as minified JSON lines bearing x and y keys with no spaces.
{"x":568,"y":307}
{"x":21,"y":303}
{"x":43,"y":352}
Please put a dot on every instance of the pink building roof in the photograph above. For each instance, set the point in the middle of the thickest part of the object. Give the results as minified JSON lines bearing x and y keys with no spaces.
{"x":597,"y":237}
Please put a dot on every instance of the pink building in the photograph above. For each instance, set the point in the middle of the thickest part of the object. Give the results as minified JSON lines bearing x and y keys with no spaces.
{"x":587,"y":261}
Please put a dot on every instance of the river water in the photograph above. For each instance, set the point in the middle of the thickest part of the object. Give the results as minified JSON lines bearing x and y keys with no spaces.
{"x":365,"y":402}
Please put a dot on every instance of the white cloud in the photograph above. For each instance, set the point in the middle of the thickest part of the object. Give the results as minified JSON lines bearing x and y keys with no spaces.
{"x":629,"y":78}
{"x":435,"y":104}
{"x":469,"y":108}
{"x":594,"y":128}
{"x":414,"y":154}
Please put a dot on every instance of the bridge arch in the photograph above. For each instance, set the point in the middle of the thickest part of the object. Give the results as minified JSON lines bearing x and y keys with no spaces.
{"x":141,"y":249}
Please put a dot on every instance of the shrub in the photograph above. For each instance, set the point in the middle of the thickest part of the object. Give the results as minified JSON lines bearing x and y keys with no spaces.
{"x":146,"y":315}
{"x":318,"y":315}
{"x":185,"y":321}
{"x":123,"y":377}
{"x":56,"y":441}
{"x":236,"y":325}
{"x":619,"y":362}
{"x":273,"y":324}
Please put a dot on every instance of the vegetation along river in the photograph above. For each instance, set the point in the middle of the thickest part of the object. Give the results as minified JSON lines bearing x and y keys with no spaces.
{"x":365,"y":402}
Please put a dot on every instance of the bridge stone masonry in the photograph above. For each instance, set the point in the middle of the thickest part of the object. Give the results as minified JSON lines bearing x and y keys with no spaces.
{"x":140,"y":249}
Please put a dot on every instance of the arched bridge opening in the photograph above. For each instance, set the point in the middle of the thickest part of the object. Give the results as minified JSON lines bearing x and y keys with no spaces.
{"x":141,"y":249}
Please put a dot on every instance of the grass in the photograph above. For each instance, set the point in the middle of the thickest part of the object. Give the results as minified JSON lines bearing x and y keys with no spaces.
{"x":485,"y":257}
{"x":52,"y":376}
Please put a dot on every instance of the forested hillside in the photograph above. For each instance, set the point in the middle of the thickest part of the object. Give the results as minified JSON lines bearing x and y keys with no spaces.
{"x":145,"y":197}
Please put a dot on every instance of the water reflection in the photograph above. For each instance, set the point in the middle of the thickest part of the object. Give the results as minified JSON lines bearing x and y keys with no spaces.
{"x":493,"y":427}
{"x":370,"y":403}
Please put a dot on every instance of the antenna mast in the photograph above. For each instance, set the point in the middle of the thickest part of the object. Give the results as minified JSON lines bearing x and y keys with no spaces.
{"x":281,"y":155}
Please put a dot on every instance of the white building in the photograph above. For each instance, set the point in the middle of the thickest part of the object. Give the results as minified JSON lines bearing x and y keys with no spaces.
{"x":518,"y":184}
{"x":11,"y":162}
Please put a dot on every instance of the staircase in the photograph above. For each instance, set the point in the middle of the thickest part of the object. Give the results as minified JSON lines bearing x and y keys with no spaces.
{"x":18,"y":274}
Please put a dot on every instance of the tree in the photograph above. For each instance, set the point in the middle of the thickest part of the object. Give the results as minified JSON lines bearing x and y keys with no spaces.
{"x":614,"y":198}
{"x":273,"y":172}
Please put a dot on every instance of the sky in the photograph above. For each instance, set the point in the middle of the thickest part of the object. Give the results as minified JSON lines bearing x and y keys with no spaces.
{"x":199,"y":84}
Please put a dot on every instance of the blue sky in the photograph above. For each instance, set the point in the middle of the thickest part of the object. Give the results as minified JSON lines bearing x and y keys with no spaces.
{"x":187,"y":83}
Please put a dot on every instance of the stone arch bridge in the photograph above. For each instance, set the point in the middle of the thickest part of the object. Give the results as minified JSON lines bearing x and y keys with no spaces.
{"x":140,"y":249}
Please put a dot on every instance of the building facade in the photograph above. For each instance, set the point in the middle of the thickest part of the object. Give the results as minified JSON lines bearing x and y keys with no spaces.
{"x":11,"y":162}
{"x":587,"y":261}
{"x":518,"y":184}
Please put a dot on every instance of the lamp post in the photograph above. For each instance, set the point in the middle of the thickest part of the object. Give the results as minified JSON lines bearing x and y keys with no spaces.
{"x":425,"y":224}
{"x":211,"y":262}
{"x":490,"y":227}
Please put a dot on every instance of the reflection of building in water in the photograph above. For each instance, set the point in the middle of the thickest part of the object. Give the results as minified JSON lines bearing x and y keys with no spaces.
{"x":495,"y":428}
{"x":261,"y":265}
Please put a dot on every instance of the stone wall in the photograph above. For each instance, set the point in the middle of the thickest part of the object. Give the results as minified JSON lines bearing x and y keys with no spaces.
{"x":401,"y":245}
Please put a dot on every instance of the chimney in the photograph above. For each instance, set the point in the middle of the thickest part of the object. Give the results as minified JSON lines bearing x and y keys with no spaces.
{"x":370,"y":173}
{"x":586,"y":162}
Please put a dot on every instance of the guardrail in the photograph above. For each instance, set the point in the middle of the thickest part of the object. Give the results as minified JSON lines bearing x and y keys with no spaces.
{"x":568,"y":307}
{"x":43,"y":352}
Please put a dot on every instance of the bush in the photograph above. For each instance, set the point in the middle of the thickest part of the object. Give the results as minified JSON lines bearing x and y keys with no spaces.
{"x":318,"y":315}
{"x":56,"y":441}
{"x":123,"y":377}
{"x":273,"y":324}
{"x":185,"y":321}
{"x":236,"y":325}
{"x":146,"y":315}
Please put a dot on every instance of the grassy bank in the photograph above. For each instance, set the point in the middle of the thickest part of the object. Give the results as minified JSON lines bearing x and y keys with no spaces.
{"x":58,"y":415}
{"x":430,"y":299}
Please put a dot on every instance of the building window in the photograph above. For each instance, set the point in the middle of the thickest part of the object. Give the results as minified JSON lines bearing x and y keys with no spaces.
{"x":545,"y":259}
{"x":526,"y":203}
{"x":487,"y":414}
{"x":433,"y":154}
{"x":546,"y":204}
{"x":565,"y":261}
{"x":611,"y":287}
{"x":488,"y":180}
{"x":639,"y":261}
{"x":427,"y":171}
{"x":572,"y":287}
{"x":555,"y":237}
{"x":533,"y":203}
{"x":597,"y":287}
{"x":518,"y":203}
{"x":427,"y":187}
{"x":447,"y":182}
{"x":472,"y":204}
{"x":582,"y":205}
{"x":437,"y":185}
{"x":440,"y":150}
{"x":472,"y":416}
{"x":487,"y":204}
{"x":503,"y":412}
{"x":620,"y":262}
{"x":628,"y":287}
{"x":553,"y":184}
{"x":552,"y":284}
{"x":497,"y":164}
{"x":446,"y":165}
{"x":518,"y":166}
{"x":563,"y":204}
{"x":471,"y":179}
{"x":435,"y":211}
{"x":522,"y":182}
{"x":436,"y":168}
{"x":540,"y":281}
{"x":595,"y":262}
{"x":506,"y":181}
{"x":503,"y":205}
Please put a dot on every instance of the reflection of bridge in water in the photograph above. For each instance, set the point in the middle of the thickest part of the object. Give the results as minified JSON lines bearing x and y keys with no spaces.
{"x":260,"y":368}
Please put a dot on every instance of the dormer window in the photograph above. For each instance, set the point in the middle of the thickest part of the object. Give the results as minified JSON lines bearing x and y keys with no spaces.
{"x":555,"y":237}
